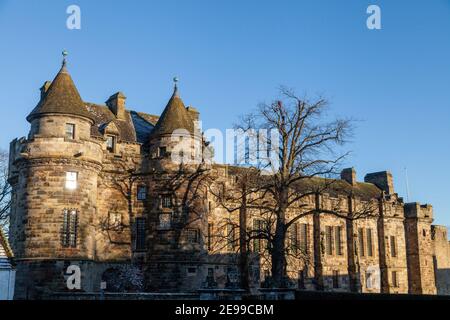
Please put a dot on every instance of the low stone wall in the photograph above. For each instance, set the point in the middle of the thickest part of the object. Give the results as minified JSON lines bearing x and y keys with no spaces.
{"x":123,"y":296}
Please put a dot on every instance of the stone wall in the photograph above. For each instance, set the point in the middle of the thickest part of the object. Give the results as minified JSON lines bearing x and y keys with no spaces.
{"x":441,"y":257}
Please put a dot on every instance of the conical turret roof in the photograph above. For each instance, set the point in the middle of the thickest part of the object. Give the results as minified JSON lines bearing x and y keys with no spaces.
{"x":174,"y":117}
{"x":61,"y":97}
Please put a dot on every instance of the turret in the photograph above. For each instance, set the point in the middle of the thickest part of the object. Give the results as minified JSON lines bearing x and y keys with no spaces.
{"x":54,"y":179}
{"x":176,"y":137}
{"x":421,"y":277}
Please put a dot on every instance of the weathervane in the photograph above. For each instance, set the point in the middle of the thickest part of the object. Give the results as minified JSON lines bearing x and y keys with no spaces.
{"x":175,"y":81}
{"x":65,"y":54}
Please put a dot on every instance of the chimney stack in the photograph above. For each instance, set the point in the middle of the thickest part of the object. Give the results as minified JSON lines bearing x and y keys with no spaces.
{"x":349,"y":175}
{"x":382,"y":180}
{"x":116,"y":103}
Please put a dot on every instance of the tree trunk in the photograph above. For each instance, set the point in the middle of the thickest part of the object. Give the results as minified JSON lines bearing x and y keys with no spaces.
{"x":318,"y":267}
{"x":352,"y":270}
{"x":243,"y":261}
{"x":278,"y":245}
{"x":384,"y":280}
{"x":278,"y":257}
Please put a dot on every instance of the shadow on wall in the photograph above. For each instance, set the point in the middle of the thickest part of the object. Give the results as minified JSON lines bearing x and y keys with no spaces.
{"x":443,"y":281}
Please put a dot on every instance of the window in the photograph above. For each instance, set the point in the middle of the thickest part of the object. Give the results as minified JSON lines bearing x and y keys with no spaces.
{"x":338,"y":240}
{"x":362,"y":249}
{"x":301,"y":279}
{"x":111,"y":144}
{"x":166,"y":201}
{"x":329,"y":240}
{"x":303,"y":238}
{"x":70,"y":228}
{"x":70,"y":131}
{"x":142,"y":193}
{"x":293,"y":238}
{"x":231,"y":238}
{"x":140,"y":234}
{"x":191,"y":271}
{"x":369,"y":280}
{"x":71,"y":180}
{"x":393,"y":245}
{"x":210,"y":235}
{"x":165,"y":220}
{"x":369,"y":242}
{"x":192,"y":235}
{"x":258,"y":229}
{"x":335,"y":279}
{"x":395,"y":282}
{"x":162,"y":152}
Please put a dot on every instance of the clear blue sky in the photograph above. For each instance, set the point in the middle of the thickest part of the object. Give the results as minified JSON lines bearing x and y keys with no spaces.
{"x":231,"y":55}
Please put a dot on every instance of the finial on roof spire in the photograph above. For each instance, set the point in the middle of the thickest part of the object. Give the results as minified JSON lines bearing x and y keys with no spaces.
{"x":64,"y":54}
{"x":175,"y":88}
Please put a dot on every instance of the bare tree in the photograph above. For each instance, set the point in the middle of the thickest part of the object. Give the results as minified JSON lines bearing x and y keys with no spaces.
{"x":5,"y":191}
{"x":242,"y":196}
{"x":308,"y":155}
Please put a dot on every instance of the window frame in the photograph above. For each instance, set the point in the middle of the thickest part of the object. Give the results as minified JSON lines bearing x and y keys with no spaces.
{"x":140,"y":193}
{"x":69,"y":232}
{"x":394,"y":278}
{"x":369,"y":239}
{"x":140,"y":242}
{"x":162,"y":152}
{"x":113,"y":139}
{"x":393,"y":246}
{"x":259,"y":226}
{"x":303,"y":237}
{"x":335,"y":278}
{"x":361,"y":243}
{"x":70,"y":134}
{"x":210,"y":235}
{"x":166,"y":201}
{"x":192,"y":231}
{"x":329,"y":240}
{"x":338,"y":240}
{"x":71,"y":182}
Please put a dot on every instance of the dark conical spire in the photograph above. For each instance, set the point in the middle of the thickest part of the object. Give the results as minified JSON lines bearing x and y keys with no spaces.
{"x":61,"y":97}
{"x":175,"y":116}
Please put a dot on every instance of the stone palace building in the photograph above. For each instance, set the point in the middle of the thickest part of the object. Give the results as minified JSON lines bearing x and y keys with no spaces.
{"x":94,"y":186}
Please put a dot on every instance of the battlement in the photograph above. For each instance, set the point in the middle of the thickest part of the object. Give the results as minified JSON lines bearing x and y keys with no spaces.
{"x":417,"y":210}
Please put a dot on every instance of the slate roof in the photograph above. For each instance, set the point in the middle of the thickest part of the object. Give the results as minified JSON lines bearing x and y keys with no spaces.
{"x":61,"y":97}
{"x":175,"y":116}
{"x":102,"y":116}
{"x":144,"y":125}
{"x":333,"y":187}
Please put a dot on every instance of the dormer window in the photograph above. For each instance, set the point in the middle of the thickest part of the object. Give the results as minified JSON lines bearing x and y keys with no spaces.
{"x":70,"y":131}
{"x":111,"y":144}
